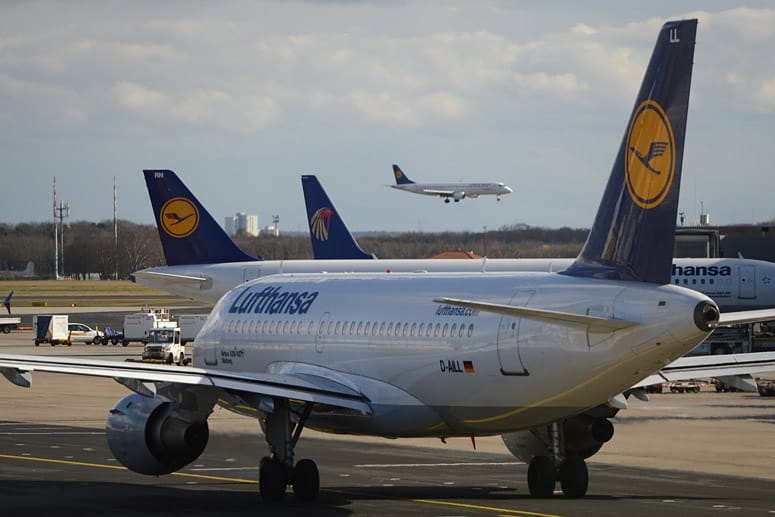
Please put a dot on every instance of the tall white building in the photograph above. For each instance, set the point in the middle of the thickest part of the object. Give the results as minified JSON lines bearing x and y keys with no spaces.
{"x":242,"y":222}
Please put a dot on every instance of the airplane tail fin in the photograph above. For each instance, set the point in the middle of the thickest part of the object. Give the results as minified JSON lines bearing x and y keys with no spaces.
{"x":330,"y":237}
{"x":633,"y":233}
{"x":189,"y":234}
{"x":7,"y":302}
{"x":401,"y":178}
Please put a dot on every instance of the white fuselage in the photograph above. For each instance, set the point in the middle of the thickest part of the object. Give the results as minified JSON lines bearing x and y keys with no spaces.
{"x":438,"y":370}
{"x":456,"y":191}
{"x":734,"y":284}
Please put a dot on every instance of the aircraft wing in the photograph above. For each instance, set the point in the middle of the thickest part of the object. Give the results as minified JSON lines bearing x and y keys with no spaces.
{"x":140,"y":378}
{"x":436,"y":192}
{"x":698,"y":367}
{"x":172,"y":279}
{"x":557,"y":317}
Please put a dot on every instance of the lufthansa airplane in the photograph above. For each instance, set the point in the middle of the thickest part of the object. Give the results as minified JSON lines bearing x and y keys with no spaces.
{"x":543,"y":358}
{"x":203,"y":263}
{"x":456,"y":191}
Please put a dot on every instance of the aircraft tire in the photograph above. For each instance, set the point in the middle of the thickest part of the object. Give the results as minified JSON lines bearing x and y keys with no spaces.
{"x":541,"y":477}
{"x":272,"y":480}
{"x":574,"y":477}
{"x":306,"y":481}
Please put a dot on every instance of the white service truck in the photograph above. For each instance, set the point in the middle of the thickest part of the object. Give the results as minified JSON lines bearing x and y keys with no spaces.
{"x":190,"y":325}
{"x":164,"y":346}
{"x":138,"y":325}
{"x":9,"y":323}
{"x":51,"y":329}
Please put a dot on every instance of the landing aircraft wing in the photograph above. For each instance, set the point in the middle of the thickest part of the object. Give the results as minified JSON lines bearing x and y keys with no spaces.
{"x":698,"y":367}
{"x":442,"y":193}
{"x":141,"y":378}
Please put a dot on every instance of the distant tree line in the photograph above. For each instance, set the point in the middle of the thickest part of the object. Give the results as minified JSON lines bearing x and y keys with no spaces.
{"x":90,"y":248}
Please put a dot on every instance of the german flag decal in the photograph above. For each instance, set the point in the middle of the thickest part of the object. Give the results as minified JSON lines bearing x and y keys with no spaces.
{"x":468,"y":366}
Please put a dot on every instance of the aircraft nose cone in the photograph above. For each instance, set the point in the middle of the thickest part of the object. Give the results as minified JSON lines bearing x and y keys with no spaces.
{"x":706,"y":316}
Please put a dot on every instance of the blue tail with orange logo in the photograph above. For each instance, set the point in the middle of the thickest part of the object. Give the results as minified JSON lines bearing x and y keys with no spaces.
{"x":401,"y":178}
{"x":189,"y":234}
{"x":633,"y":234}
{"x":330,"y":237}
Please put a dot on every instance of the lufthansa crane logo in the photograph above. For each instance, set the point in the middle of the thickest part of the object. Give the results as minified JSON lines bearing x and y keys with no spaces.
{"x":650,"y":160}
{"x":399,"y":174}
{"x":321,"y":223}
{"x":179,"y":217}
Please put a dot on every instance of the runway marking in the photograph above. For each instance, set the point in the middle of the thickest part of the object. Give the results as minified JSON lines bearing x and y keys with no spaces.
{"x":30,"y":433}
{"x":411,"y":465}
{"x":507,"y":511}
{"x":117,"y":467}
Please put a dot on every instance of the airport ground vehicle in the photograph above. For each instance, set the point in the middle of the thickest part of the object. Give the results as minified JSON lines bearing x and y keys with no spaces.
{"x":9,"y":323}
{"x":190,"y":325}
{"x":137,"y":325}
{"x":82,"y":333}
{"x":113,"y":337}
{"x":164,"y":345}
{"x":51,"y":329}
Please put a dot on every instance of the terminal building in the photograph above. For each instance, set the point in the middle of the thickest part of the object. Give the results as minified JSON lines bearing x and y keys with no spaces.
{"x":752,"y":241}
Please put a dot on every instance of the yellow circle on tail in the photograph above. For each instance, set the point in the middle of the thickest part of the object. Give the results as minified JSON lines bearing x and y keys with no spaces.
{"x":179,"y":217}
{"x":649,"y":162}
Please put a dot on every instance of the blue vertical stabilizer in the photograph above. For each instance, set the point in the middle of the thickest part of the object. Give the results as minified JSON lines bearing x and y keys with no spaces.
{"x":632,"y":237}
{"x":189,"y":234}
{"x":330,"y":237}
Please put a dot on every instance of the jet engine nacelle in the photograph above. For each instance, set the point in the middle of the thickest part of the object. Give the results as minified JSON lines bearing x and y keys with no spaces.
{"x":457,"y":196}
{"x":152,"y":436}
{"x":583,"y":436}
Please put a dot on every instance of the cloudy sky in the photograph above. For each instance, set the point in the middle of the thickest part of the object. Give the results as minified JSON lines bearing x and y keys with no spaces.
{"x":241,"y":98}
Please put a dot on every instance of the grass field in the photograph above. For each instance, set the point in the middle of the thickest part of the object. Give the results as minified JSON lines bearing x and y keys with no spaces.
{"x":85,"y":293}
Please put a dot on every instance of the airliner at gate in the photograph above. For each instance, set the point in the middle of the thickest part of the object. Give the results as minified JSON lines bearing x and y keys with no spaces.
{"x":542,"y":358}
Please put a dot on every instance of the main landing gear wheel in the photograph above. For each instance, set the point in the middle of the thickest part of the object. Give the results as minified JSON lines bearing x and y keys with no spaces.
{"x":541,"y":477}
{"x":574,"y":477}
{"x":282,"y":428}
{"x":306,"y":481}
{"x":272,"y":480}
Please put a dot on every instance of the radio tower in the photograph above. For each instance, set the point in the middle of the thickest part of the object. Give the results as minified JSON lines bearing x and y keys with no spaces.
{"x":56,"y":237}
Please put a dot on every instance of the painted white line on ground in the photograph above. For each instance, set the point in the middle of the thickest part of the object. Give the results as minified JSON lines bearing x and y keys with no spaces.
{"x":420,"y":465}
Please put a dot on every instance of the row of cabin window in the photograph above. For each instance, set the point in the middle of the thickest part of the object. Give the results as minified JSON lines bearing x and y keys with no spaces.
{"x":351,"y":328}
{"x":694,"y":281}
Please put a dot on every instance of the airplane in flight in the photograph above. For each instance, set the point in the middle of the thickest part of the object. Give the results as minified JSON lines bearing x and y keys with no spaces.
{"x":543,"y":358}
{"x":454,"y":191}
{"x":205,"y":263}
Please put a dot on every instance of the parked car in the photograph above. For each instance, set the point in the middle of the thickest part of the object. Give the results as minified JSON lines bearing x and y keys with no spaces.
{"x":80,"y":333}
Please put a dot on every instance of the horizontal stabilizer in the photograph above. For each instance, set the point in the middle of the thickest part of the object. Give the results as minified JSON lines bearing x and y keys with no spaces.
{"x":700,"y":367}
{"x":172,"y":279}
{"x":734,"y":318}
{"x":595,"y":323}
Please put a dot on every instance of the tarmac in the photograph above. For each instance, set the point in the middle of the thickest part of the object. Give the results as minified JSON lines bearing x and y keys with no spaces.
{"x":687,"y":454}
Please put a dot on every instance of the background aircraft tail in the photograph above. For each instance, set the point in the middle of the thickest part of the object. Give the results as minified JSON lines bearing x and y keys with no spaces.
{"x":330,"y":237}
{"x":189,"y":234}
{"x":401,"y":178}
{"x":7,"y":302}
{"x":633,"y":234}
